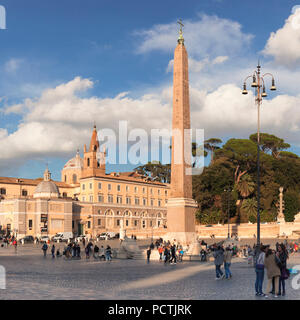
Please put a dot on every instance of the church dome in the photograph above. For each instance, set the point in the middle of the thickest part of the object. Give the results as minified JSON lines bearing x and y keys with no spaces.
{"x":74,"y":163}
{"x":46,"y":188}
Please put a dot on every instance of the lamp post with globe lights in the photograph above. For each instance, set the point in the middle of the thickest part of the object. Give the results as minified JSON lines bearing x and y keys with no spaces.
{"x":258,"y":83}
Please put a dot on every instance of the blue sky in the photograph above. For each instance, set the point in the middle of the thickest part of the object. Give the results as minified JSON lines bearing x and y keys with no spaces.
{"x":49,"y":43}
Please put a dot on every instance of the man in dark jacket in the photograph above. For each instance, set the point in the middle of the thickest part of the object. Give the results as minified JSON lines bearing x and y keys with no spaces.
{"x":219,"y":260}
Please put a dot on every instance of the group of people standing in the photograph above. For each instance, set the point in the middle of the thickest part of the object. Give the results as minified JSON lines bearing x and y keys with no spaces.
{"x":73,"y":251}
{"x":275,"y":264}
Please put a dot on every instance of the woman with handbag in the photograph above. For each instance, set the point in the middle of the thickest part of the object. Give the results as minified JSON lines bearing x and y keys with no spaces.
{"x":273,"y":270}
{"x":283,"y":255}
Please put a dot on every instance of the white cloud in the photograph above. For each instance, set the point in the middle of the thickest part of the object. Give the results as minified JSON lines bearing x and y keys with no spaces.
{"x":207,"y":36}
{"x":284,"y":44}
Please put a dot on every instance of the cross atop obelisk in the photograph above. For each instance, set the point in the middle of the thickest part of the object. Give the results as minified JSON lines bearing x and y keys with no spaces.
{"x":180,"y":38}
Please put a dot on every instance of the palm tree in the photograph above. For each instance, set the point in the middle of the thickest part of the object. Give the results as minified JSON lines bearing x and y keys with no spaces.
{"x":249,"y":206}
{"x":245,"y":186}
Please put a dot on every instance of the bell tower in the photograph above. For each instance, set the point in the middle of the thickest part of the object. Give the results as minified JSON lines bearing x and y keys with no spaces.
{"x":93,"y":159}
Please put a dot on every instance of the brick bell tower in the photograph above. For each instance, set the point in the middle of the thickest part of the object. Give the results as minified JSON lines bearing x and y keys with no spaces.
{"x":181,"y":206}
{"x":93,"y":159}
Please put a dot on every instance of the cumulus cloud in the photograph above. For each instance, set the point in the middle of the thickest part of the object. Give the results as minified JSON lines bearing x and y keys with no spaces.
{"x":60,"y":120}
{"x":206,"y":36}
{"x":284,"y":44}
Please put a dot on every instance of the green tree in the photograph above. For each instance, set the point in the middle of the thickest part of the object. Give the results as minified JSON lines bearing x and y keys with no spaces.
{"x":211,"y":145}
{"x":291,"y":204}
{"x":249,"y":207}
{"x":156,"y":170}
{"x":270,"y":143}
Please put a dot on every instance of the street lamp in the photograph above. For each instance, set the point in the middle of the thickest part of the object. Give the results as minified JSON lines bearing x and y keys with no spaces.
{"x":228,"y":190}
{"x":258,"y":83}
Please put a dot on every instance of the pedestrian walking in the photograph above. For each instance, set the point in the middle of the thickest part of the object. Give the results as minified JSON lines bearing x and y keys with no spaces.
{"x":273,"y":271}
{"x":167,"y":254}
{"x":15,"y":244}
{"x":108,"y":253}
{"x":173,"y":254}
{"x":53,"y":251}
{"x":96,"y":252}
{"x":45,"y":248}
{"x":148,"y":254}
{"x":227,"y":263}
{"x":160,"y":251}
{"x":219,"y":260}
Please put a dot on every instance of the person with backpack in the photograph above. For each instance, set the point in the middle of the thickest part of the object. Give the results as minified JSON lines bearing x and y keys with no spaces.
{"x":45,"y":248}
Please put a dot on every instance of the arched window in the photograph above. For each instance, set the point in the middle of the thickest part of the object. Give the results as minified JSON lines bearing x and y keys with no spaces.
{"x":65,"y":178}
{"x":74,"y":178}
{"x":88,"y":162}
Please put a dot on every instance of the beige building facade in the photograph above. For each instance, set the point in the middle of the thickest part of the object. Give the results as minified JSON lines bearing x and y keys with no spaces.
{"x":87,"y":200}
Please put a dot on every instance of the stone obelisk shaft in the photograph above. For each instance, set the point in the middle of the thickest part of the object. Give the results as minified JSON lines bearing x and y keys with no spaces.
{"x":181,"y":206}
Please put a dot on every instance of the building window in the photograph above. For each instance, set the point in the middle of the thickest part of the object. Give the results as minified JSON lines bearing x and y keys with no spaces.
{"x":91,"y":186}
{"x":2,"y":191}
{"x":118,"y":223}
{"x":89,"y":224}
{"x":152,"y":202}
{"x":151,"y":191}
{"x":99,"y":211}
{"x":100,"y":198}
{"x":158,"y":191}
{"x":99,"y":185}
{"x":99,"y":222}
{"x":127,"y":188}
{"x":144,"y":190}
{"x":128,"y":200}
{"x":110,"y":198}
{"x":91,"y":198}
{"x":64,"y":195}
{"x":119,"y":199}
{"x":150,"y":223}
{"x":30,"y":224}
{"x":127,"y":223}
{"x":158,"y":222}
{"x":88,"y":162}
{"x":159,"y":203}
{"x":135,"y":223}
{"x":144,"y":202}
{"x":166,"y":201}
{"x":137,"y":201}
{"x":109,"y":186}
{"x":135,"y":189}
{"x":83,"y":198}
{"x":144,"y":224}
{"x":24,"y":193}
{"x":65,"y":178}
{"x":83,"y":186}
{"x":119,"y":187}
{"x":166,"y":192}
{"x":74,"y":177}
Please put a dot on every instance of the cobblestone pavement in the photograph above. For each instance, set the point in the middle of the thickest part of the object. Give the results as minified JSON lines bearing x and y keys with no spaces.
{"x":30,"y":276}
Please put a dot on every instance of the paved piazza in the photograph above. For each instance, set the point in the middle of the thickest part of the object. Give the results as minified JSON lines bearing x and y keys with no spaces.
{"x":30,"y":276}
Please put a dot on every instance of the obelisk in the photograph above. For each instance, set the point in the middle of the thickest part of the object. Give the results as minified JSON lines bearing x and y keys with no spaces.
{"x":181,"y":206}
